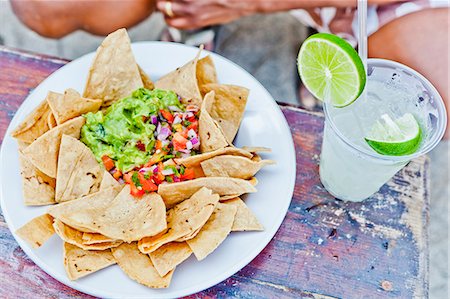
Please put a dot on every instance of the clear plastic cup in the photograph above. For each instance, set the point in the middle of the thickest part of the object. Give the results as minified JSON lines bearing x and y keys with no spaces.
{"x":349,"y":168}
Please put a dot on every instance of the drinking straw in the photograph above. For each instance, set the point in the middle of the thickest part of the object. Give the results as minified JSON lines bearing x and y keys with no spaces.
{"x":362,"y":34}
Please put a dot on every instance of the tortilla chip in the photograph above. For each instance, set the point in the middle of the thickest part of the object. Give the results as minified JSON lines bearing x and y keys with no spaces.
{"x":148,"y":83}
{"x":168,"y":256}
{"x":214,"y":232}
{"x":34,"y":125}
{"x":232,"y":166}
{"x":75,"y":237}
{"x":43,"y":152}
{"x":211,"y":135}
{"x":95,"y":238}
{"x":193,"y":161}
{"x":37,"y":231}
{"x":76,"y":213}
{"x":38,"y":189}
{"x":114,"y":74}
{"x":183,"y":81}
{"x":175,"y":193}
{"x":79,"y":173}
{"x":206,"y":73}
{"x":183,"y":219}
{"x":244,"y":220}
{"x":189,"y":236}
{"x":51,"y":121}
{"x":79,"y":262}
{"x":139,"y":266}
{"x":256,"y":149}
{"x":108,"y":181}
{"x":22,"y":145}
{"x":70,"y":105}
{"x":228,"y":107}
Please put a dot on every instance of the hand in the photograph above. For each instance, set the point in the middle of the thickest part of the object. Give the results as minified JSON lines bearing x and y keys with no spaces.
{"x":193,"y":14}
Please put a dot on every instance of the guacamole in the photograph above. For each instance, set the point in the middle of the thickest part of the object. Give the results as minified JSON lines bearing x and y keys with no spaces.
{"x":126,"y":131}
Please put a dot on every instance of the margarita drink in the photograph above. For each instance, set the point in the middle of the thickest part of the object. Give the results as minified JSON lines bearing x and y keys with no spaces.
{"x":352,"y":170}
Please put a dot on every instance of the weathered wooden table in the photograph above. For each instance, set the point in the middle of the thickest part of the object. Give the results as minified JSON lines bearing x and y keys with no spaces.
{"x":325,"y":248}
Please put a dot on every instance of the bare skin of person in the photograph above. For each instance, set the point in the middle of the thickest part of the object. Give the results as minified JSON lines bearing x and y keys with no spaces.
{"x":419,"y":40}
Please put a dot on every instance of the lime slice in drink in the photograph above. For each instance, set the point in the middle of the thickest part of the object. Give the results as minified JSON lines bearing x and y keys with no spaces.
{"x":331,"y":69}
{"x":395,"y":137}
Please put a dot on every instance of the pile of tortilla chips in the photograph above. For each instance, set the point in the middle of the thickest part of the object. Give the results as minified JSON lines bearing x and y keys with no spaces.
{"x":100,"y":223}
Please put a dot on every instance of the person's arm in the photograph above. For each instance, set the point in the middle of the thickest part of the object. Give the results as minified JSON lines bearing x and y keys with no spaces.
{"x":56,"y":19}
{"x":191,"y":14}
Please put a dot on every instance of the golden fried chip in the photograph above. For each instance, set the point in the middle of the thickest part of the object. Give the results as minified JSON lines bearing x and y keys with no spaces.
{"x":75,"y":237}
{"x":37,"y":231}
{"x":168,"y":256}
{"x":244,"y":220}
{"x":79,"y":173}
{"x":214,"y":232}
{"x":34,"y":125}
{"x":195,"y":160}
{"x":108,"y":181}
{"x":43,"y":152}
{"x":37,"y":188}
{"x":148,"y":83}
{"x":227,"y":107}
{"x":175,"y":193}
{"x":79,"y":262}
{"x":233,"y":166}
{"x":183,"y":81}
{"x":51,"y":121}
{"x":114,"y":74}
{"x":70,"y":105}
{"x":139,"y":267}
{"x":95,"y":238}
{"x":183,"y":219}
{"x":206,"y":72}
{"x":211,"y":135}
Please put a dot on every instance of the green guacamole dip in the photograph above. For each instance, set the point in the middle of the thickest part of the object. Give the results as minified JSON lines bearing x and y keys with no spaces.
{"x":125,"y":132}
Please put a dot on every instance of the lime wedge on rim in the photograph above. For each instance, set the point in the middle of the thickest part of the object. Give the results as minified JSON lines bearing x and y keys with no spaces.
{"x":331,"y":69}
{"x":395,"y":137}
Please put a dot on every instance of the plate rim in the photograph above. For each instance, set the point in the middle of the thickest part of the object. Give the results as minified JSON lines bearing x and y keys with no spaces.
{"x":233,"y":269}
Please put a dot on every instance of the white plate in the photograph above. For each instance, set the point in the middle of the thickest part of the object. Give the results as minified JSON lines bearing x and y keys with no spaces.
{"x":263,"y":125}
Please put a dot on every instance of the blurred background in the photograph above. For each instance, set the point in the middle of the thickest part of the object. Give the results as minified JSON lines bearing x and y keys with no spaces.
{"x":237,"y":41}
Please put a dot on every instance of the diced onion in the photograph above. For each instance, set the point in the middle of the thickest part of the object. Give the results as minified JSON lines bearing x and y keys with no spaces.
{"x":154,"y":119}
{"x":174,"y":108}
{"x":176,"y":120}
{"x":168,"y":171}
{"x":188,"y":145}
{"x":192,"y":134}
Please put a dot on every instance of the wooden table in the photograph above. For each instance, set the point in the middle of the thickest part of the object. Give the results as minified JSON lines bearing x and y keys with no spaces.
{"x":325,"y":248}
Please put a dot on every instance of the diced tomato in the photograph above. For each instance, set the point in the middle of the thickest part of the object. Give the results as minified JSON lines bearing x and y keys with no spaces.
{"x":189,"y":174}
{"x":135,"y":191}
{"x":127,"y":177}
{"x":193,"y":126}
{"x":147,"y":185}
{"x":118,"y":174}
{"x":158,"y":144}
{"x":158,"y":178}
{"x":156,"y":158}
{"x":179,"y":142}
{"x":108,"y":162}
{"x":167,"y":115}
{"x":140,"y":146}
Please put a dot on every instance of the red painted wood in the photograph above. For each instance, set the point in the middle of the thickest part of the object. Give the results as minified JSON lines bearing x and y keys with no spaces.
{"x":325,"y":247}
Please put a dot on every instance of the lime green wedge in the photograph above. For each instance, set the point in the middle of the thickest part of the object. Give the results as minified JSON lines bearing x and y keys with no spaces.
{"x":331,"y":69}
{"x":395,"y":137}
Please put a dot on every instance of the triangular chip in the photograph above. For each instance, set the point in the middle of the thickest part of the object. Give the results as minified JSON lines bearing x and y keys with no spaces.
{"x":51,"y":121}
{"x":244,"y":220}
{"x":43,"y":152}
{"x":168,"y":256}
{"x":95,"y":238}
{"x":233,"y":166}
{"x":79,"y":173}
{"x":34,"y":125}
{"x":75,"y":237}
{"x":37,"y":231}
{"x":148,"y":83}
{"x":256,"y":149}
{"x":79,"y":212}
{"x":114,"y":74}
{"x":108,"y":181}
{"x":228,"y":107}
{"x":175,"y":193}
{"x":79,"y":262}
{"x":206,"y":72}
{"x":214,"y":232}
{"x":183,"y":81}
{"x":70,"y":105}
{"x":139,"y":267}
{"x":183,"y":219}
{"x":211,"y":135}
{"x":197,"y":159}
{"x":38,"y":189}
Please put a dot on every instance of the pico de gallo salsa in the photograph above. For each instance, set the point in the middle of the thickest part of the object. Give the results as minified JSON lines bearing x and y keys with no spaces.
{"x":138,"y":137}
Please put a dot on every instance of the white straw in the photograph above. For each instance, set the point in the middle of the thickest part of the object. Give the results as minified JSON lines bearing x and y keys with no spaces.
{"x":362,"y":34}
